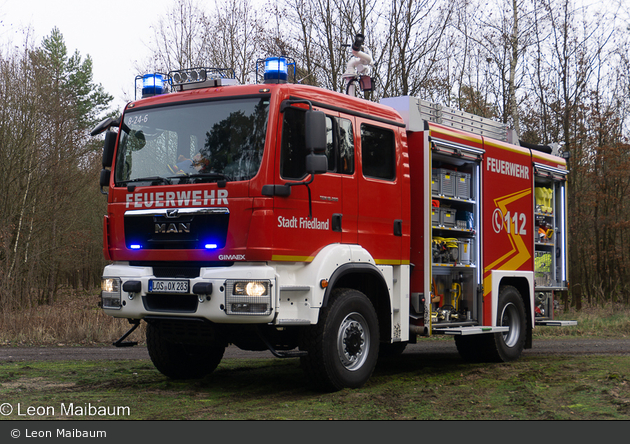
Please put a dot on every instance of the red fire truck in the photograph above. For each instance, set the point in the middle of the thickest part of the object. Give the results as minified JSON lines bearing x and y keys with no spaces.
{"x":323,"y":226}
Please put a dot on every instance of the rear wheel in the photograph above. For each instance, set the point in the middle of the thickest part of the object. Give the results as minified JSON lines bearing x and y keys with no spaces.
{"x":343,"y":346}
{"x":470,"y":347}
{"x":499,"y":347}
{"x":181,"y":360}
{"x":508,"y":346}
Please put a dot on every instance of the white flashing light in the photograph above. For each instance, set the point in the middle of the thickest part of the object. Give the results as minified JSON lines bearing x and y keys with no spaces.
{"x":194,"y":78}
{"x":276,"y":70}
{"x":194,"y":75}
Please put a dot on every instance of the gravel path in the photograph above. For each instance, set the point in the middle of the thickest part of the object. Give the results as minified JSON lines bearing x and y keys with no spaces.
{"x":541,"y":347}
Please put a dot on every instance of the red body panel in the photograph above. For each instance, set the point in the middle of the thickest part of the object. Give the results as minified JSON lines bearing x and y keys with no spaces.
{"x":279,"y":228}
{"x":508,"y":219}
{"x":417,"y":148}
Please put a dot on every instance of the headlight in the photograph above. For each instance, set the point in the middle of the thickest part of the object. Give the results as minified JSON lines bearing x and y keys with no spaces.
{"x":110,"y":293}
{"x":251,"y":288}
{"x":248,"y":297}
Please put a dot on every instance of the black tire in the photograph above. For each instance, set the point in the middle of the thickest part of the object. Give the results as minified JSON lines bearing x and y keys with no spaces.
{"x":180,"y":360}
{"x":471,"y":348}
{"x":343,"y":346}
{"x":499,"y":347}
{"x":505,"y":347}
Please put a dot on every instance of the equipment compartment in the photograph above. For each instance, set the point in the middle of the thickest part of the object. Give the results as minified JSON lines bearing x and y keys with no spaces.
{"x":454,"y":297}
{"x":550,"y":241}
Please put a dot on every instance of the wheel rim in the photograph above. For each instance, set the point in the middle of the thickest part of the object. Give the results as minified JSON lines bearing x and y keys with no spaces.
{"x":353,"y":341}
{"x":510,"y":318}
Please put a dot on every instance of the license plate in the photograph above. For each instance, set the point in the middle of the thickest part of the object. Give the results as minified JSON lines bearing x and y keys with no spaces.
{"x":168,"y":286}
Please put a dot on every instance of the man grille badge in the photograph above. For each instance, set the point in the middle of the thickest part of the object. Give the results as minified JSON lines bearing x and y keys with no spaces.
{"x":172,"y":213}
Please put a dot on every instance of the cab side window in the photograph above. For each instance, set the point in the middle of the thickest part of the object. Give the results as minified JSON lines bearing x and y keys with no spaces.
{"x":378,"y":152}
{"x":293,"y":154}
{"x":339,"y":145}
{"x":345,"y":146}
{"x":330,"y":145}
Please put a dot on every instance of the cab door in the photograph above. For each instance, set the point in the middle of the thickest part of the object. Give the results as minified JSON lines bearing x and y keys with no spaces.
{"x":380,"y":220}
{"x":309,"y":217}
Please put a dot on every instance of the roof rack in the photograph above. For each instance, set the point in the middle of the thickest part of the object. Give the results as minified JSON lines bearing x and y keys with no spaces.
{"x":416,"y":111}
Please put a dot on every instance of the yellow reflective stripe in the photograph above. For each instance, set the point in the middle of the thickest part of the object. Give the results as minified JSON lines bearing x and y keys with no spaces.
{"x":288,"y":258}
{"x":391,"y":262}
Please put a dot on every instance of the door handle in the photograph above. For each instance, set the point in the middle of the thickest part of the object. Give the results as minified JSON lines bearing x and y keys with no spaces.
{"x":336,"y":222}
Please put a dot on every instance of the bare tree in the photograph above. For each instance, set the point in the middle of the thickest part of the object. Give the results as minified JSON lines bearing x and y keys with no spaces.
{"x":181,"y":38}
{"x":412,"y":50}
{"x":237,"y":36}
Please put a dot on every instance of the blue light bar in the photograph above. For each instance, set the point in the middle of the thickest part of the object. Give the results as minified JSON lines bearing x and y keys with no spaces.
{"x":152,"y":85}
{"x":276,"y":70}
{"x":211,"y":246}
{"x":135,"y":247}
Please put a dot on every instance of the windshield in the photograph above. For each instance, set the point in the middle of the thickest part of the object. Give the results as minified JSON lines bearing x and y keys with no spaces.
{"x":196,"y":142}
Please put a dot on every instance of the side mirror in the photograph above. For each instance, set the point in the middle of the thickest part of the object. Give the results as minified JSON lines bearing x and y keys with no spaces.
{"x":315,"y":129}
{"x":102,"y":126}
{"x":104,"y":179}
{"x":315,"y":143}
{"x":108,"y":148}
{"x":316,"y":163}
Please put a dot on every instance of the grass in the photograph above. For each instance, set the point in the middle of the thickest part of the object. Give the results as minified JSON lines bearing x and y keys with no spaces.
{"x":420,"y":386}
{"x":76,"y":319}
{"x":611,"y":321}
{"x":409,"y":387}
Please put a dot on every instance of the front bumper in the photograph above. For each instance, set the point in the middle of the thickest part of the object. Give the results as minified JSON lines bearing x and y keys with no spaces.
{"x":243,"y":293}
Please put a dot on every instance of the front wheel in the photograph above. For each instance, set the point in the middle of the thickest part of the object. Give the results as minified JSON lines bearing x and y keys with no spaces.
{"x":343,"y":346}
{"x":181,"y":360}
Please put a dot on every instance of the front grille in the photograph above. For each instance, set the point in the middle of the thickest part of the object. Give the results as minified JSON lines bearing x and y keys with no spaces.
{"x":177,"y":229}
{"x":171,"y":303}
{"x":176,"y":272}
{"x":165,"y":267}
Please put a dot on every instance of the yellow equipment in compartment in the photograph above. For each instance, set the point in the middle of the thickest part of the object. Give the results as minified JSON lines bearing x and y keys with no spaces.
{"x":447,"y":312}
{"x":544,"y":200}
{"x":445,"y":251}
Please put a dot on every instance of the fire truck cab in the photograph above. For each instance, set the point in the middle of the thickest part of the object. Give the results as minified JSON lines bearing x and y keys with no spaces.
{"x":323,"y":226}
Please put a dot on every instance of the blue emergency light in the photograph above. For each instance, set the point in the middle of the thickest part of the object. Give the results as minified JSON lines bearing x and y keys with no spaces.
{"x":276,"y":70}
{"x":152,"y":85}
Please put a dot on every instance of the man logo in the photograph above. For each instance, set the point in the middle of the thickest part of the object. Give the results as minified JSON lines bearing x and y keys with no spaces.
{"x":172,"y":228}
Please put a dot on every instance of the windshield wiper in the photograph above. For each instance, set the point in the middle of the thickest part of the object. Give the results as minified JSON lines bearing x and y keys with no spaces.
{"x":162,"y":179}
{"x":211,"y":176}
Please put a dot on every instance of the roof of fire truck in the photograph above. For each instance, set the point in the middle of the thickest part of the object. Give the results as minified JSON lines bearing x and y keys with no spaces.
{"x":205,"y":87}
{"x":208,"y":83}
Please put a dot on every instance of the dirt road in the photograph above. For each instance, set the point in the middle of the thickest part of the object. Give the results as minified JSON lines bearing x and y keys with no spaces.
{"x":541,"y":347}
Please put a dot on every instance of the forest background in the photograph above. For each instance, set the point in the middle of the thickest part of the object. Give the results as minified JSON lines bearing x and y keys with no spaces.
{"x":554,"y":70}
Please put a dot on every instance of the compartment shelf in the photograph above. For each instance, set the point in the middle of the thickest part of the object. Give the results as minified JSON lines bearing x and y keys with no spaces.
{"x":453,"y":199}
